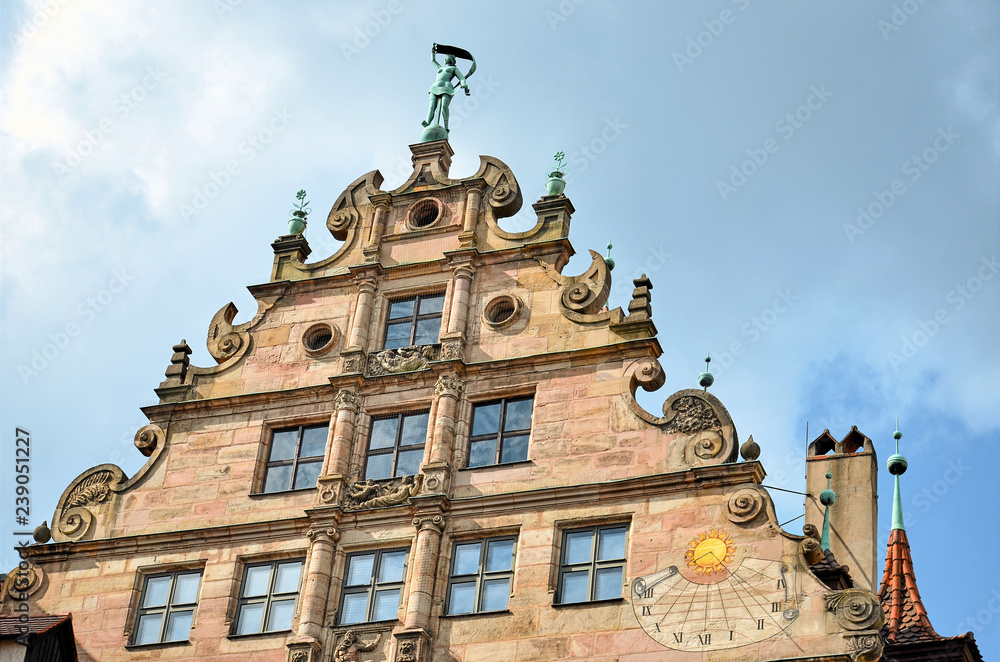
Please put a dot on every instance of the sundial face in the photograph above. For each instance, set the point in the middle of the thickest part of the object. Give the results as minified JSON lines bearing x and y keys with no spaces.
{"x":715,"y":598}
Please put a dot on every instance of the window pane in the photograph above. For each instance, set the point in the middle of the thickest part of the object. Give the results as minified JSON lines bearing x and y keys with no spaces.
{"x":609,"y":583}
{"x":257,"y":581}
{"x":574,"y":587}
{"x":306,"y":474}
{"x":383,"y":433}
{"x":486,"y":419}
{"x":431,"y":304}
{"x":391,"y":567}
{"x":359,"y":570}
{"x":283,"y":445}
{"x":386,"y":605}
{"x":578,"y":547}
{"x":409,"y":463}
{"x":156,"y":592}
{"x":482,"y":453}
{"x":286,"y":579}
{"x":518,"y":415}
{"x":355,"y":605}
{"x":467,"y":559}
{"x":495,"y":592}
{"x":148,"y":630}
{"x":178,"y":625}
{"x":186,"y":588}
{"x":427,"y":331}
{"x":278,"y":478}
{"x":414,"y":430}
{"x":313,"y":442}
{"x":515,"y":449}
{"x":250,"y":618}
{"x":499,"y":555}
{"x":462,"y":598}
{"x":399,"y":309}
{"x":379,"y":466}
{"x":611,"y":544}
{"x":280,"y":617}
{"x":398,"y":335}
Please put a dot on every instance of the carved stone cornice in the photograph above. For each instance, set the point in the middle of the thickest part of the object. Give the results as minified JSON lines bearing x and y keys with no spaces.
{"x":450,"y":386}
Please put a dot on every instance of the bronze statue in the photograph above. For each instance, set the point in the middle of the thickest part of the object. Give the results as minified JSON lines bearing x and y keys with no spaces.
{"x":442,"y":90}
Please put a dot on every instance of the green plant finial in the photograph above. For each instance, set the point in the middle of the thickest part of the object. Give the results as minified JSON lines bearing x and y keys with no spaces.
{"x":297,"y":223}
{"x":556,"y":184}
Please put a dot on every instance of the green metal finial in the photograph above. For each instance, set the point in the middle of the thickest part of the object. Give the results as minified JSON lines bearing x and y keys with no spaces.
{"x":297,"y":223}
{"x":706,"y":378}
{"x":609,"y":260}
{"x":827,"y":497}
{"x":896,"y":464}
{"x":556,"y":184}
{"x":442,"y":90}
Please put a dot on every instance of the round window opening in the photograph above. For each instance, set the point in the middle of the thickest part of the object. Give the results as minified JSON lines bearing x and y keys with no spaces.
{"x":502,"y":310}
{"x":318,"y":338}
{"x":425,"y":213}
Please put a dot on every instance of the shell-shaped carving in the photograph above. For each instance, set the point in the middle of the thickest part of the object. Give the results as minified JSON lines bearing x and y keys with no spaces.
{"x":148,"y":438}
{"x":94,"y":488}
{"x":75,"y":512}
{"x":744,"y":505}
{"x":856,"y":609}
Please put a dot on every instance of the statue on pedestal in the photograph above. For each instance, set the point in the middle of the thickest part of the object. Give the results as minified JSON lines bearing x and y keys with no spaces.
{"x":442,"y":90}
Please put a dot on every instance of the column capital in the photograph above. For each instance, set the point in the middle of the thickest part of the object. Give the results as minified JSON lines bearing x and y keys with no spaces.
{"x":347,"y":400}
{"x":430,"y":523}
{"x":450,"y":386}
{"x":464,"y":270}
{"x":331,"y":535}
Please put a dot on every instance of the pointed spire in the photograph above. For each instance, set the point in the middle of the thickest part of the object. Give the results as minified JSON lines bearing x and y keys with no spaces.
{"x":827,"y":497}
{"x":907,"y":620}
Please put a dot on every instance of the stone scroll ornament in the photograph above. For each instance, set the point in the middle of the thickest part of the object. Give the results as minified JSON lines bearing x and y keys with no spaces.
{"x":860,"y":613}
{"x":91,"y":492}
{"x":744,"y":505}
{"x":583,"y":297}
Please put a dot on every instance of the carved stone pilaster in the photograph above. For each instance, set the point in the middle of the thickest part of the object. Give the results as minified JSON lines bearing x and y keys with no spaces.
{"x":331,"y":489}
{"x":450,"y":386}
{"x":437,"y":478}
{"x":412,"y":646}
{"x":347,"y":400}
{"x":451,"y":349}
{"x":352,"y":361}
{"x":303,"y":652}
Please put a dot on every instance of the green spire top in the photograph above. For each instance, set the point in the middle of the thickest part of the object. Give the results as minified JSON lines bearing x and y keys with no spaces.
{"x":827,"y":497}
{"x":609,"y":260}
{"x":706,"y":378}
{"x":896,"y":464}
{"x":297,"y":223}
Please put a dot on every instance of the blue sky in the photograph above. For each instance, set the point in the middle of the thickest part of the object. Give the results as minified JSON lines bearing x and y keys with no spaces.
{"x":811,"y":189}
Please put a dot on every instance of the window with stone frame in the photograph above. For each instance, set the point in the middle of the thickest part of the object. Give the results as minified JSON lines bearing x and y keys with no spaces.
{"x":268,"y":594}
{"x":414,"y":320}
{"x":396,"y":445}
{"x":373,"y":584}
{"x":295,"y":458}
{"x":500,"y":431}
{"x":166,"y":607}
{"x":481,"y":575}
{"x":592,"y":564}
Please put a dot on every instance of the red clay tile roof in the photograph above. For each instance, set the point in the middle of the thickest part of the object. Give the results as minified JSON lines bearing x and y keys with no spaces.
{"x":36,"y":624}
{"x":906,"y":618}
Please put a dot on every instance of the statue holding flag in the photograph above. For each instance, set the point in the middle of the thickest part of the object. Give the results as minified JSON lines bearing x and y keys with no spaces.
{"x":442,"y":90}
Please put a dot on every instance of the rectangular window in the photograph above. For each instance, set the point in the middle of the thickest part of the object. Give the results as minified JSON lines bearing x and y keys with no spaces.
{"x":372,"y":586}
{"x":295,"y":459}
{"x":500,"y":432}
{"x":267,"y":596}
{"x":167,"y":606}
{"x":396,"y":446}
{"x":414,"y":321}
{"x":481,"y":575}
{"x":592,"y":564}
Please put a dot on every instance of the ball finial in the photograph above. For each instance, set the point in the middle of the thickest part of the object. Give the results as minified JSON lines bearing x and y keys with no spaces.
{"x":609,"y":260}
{"x":706,"y":378}
{"x":896,"y":464}
{"x":828,"y":497}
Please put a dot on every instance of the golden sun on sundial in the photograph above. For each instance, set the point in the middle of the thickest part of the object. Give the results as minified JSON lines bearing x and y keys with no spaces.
{"x":710,"y":552}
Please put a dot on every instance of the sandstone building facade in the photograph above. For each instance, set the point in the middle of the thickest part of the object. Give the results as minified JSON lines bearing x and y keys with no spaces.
{"x":427,"y":447}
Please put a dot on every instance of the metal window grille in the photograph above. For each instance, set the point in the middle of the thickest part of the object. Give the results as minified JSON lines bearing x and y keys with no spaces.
{"x":414,"y":321}
{"x":396,"y":445}
{"x":500,"y":432}
{"x":295,"y":458}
